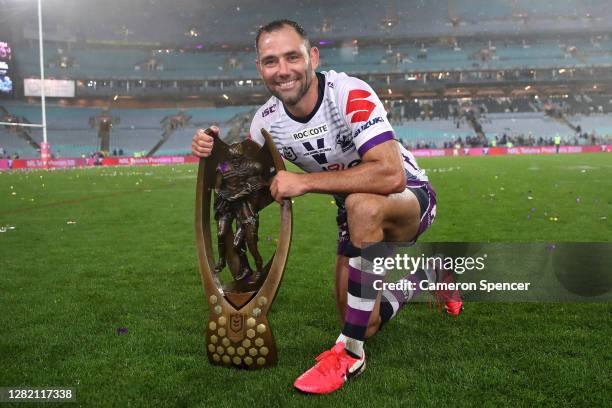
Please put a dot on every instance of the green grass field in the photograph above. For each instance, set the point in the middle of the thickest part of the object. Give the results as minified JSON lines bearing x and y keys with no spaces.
{"x":85,"y":252}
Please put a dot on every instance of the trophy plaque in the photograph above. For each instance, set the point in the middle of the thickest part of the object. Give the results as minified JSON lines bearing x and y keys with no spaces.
{"x":238,"y":176}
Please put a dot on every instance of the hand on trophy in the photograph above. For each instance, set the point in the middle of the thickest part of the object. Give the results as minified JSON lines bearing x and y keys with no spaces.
{"x":287,"y":185}
{"x":202,"y":142}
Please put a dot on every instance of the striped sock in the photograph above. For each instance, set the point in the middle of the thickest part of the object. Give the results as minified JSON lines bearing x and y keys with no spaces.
{"x":393,"y":301}
{"x":361,"y":298}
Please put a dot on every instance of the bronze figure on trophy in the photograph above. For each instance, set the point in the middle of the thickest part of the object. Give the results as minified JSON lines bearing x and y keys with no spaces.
{"x":238,"y":186}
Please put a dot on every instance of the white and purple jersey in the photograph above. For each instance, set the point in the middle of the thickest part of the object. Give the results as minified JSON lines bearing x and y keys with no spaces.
{"x":348,"y":121}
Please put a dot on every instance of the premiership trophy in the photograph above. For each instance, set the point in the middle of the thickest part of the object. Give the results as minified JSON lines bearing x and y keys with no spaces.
{"x":238,"y":176}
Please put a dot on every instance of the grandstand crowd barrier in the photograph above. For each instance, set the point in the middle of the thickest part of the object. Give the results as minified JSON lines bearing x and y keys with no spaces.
{"x":502,"y":151}
{"x":21,"y":164}
{"x":90,"y":162}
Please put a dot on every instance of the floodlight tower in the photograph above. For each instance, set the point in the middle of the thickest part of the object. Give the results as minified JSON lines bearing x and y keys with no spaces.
{"x":170,"y":124}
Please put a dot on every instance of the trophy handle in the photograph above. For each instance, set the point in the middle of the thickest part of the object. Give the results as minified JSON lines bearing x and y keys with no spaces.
{"x":203,"y":237}
{"x":269,"y":288}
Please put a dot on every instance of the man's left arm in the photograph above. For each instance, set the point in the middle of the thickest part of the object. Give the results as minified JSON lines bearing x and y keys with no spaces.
{"x":380,"y":172}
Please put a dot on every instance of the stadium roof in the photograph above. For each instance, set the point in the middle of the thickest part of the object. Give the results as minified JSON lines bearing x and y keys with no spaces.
{"x":195,"y":22}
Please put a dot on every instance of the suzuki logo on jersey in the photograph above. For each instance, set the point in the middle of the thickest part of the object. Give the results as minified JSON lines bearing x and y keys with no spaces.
{"x":358,"y":103}
{"x":310,"y":133}
{"x":370,"y":122}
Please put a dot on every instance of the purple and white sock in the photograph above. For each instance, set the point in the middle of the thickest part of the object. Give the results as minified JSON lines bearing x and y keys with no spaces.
{"x":361,"y":298}
{"x":393,"y":301}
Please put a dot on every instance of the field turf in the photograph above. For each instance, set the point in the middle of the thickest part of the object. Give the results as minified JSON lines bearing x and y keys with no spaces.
{"x":100,"y":291}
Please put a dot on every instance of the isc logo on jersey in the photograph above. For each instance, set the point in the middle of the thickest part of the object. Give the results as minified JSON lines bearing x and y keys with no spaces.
{"x":310,"y":133}
{"x":268,"y":110}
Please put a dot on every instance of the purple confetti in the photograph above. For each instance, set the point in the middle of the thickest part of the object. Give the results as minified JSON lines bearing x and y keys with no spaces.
{"x":122,"y":330}
{"x":533,"y":209}
{"x":551,"y":247}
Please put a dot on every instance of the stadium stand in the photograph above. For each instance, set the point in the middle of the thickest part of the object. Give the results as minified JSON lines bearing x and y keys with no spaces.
{"x":445,"y":70}
{"x":108,"y":62}
{"x":138,"y":130}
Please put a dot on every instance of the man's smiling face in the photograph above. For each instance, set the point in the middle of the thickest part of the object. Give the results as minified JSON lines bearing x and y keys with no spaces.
{"x":286,"y":65}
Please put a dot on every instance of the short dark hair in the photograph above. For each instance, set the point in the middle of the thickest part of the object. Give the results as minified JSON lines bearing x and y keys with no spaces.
{"x":279,"y":25}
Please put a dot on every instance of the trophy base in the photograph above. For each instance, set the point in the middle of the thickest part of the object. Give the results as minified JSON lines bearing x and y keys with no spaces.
{"x":239,"y":339}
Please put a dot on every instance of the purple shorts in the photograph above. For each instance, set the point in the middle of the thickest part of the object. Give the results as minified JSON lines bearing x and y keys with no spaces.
{"x":427,"y":201}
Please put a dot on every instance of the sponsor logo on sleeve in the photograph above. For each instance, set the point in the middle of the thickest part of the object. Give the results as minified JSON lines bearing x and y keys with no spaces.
{"x":359,"y":105}
{"x":268,"y":110}
{"x":368,"y":124}
{"x":311,"y":132}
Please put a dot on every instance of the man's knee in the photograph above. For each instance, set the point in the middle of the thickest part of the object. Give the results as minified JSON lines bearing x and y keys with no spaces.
{"x":362,"y":207}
